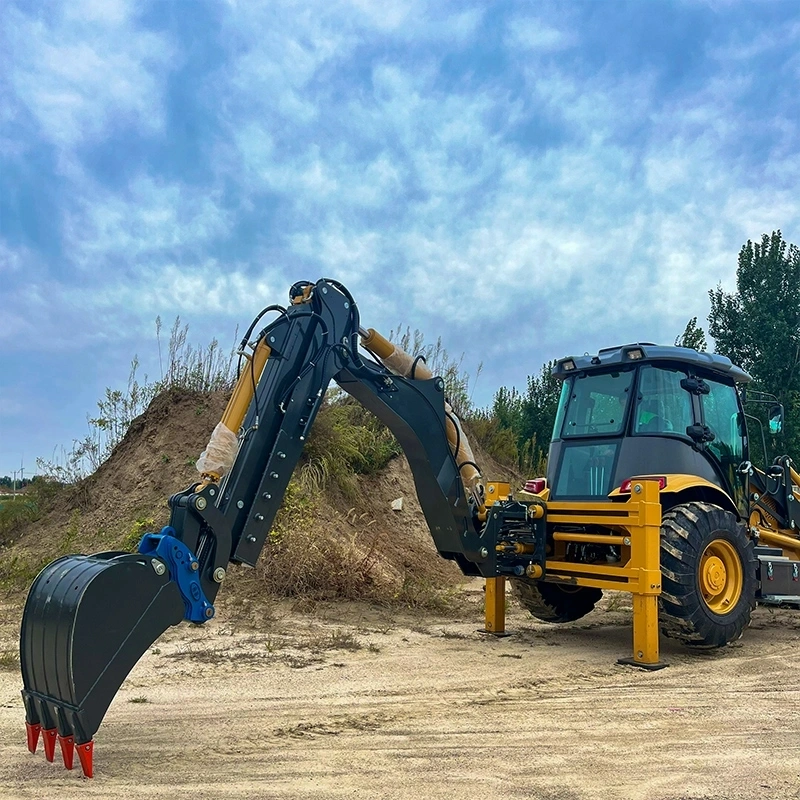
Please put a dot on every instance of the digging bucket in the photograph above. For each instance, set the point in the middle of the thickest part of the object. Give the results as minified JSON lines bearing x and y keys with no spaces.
{"x":87,"y":621}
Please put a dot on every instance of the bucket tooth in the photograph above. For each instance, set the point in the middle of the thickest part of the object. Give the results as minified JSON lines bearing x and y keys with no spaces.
{"x":86,"y":757}
{"x":67,"y":750}
{"x":32,"y":730}
{"x":49,"y":741}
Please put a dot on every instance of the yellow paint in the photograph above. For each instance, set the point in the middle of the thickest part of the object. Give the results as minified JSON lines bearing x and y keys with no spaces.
{"x":495,"y":608}
{"x":637,"y":522}
{"x":377,"y":344}
{"x":496,"y":491}
{"x":242,"y":396}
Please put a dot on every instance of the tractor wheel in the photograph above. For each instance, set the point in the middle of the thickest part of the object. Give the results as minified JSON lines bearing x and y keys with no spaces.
{"x":555,"y":602}
{"x":708,"y":568}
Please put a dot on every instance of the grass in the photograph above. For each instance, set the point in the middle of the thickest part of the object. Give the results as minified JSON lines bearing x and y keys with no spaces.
{"x":140,"y":699}
{"x":9,"y":661}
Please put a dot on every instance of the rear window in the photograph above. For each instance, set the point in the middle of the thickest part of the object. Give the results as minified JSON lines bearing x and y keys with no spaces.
{"x":596,"y":404}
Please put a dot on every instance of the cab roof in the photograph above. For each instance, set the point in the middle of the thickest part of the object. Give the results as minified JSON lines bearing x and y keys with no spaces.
{"x":647,"y":352}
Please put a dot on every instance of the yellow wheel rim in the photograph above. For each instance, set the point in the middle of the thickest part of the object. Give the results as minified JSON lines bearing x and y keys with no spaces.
{"x":721,"y":576}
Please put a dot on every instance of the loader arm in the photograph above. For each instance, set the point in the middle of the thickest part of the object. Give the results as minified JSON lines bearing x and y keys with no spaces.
{"x":88,"y":619}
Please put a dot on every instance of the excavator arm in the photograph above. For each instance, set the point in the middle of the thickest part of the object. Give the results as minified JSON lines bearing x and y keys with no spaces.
{"x":88,"y":619}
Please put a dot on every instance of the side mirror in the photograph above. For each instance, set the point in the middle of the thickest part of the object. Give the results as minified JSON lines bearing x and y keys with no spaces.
{"x":776,"y":419}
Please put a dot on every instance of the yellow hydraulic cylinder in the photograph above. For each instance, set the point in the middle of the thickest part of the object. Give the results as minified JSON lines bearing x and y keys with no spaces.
{"x":242,"y":396}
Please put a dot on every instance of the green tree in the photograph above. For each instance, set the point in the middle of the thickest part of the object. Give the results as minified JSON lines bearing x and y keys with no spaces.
{"x":692,"y":336}
{"x":758,"y":325}
{"x":530,"y":416}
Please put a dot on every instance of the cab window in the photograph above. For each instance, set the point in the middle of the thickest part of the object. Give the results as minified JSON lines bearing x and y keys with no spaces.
{"x":662,"y":404}
{"x":722,"y":415}
{"x":596,"y":404}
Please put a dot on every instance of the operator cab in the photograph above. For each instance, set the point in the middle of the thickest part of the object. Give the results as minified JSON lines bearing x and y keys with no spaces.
{"x":644,"y":409}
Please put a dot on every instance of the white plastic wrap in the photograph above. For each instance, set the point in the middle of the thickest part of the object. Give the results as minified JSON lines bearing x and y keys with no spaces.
{"x":220,"y":452}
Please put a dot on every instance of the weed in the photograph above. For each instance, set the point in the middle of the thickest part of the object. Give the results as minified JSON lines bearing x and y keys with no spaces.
{"x":336,"y":640}
{"x":9,"y":660}
{"x":139,"y":527}
{"x":140,"y":699}
{"x":71,"y":532}
{"x":17,"y":573}
{"x":188,"y":368}
{"x":15,"y":512}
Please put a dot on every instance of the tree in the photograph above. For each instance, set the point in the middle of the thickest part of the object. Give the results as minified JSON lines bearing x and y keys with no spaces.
{"x":530,"y":416}
{"x":758,"y":325}
{"x":693,"y":337}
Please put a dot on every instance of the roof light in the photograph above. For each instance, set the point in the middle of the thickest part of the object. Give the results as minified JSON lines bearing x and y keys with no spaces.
{"x":568,"y":365}
{"x":635,"y":354}
{"x":625,"y":486}
{"x":536,"y":486}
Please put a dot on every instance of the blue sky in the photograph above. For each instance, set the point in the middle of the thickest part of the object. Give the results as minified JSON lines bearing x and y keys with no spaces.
{"x":525,"y":180}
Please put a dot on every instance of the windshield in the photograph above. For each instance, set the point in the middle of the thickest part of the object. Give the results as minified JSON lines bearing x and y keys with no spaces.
{"x":595,"y":405}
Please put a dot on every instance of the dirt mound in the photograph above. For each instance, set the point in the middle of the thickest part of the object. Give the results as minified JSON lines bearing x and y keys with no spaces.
{"x":326,"y":545}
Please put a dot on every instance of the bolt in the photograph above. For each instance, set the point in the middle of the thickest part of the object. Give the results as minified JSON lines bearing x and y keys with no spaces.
{"x":158,"y":566}
{"x":324,"y":290}
{"x":347,"y":305}
{"x":272,"y":339}
{"x":251,"y":538}
{"x":266,"y":496}
{"x":640,"y":654}
{"x":219,"y":574}
{"x":209,"y":613}
{"x":484,"y":552}
{"x":281,"y":455}
{"x":240,"y":504}
{"x":212,"y":492}
{"x":195,"y":566}
{"x":626,"y":540}
{"x":638,"y":488}
{"x":200,"y":503}
{"x":756,"y":496}
{"x":259,"y":517}
{"x":273,"y":475}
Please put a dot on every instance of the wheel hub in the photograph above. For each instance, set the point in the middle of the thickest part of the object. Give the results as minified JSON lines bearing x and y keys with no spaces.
{"x":721,"y":576}
{"x":714,"y":575}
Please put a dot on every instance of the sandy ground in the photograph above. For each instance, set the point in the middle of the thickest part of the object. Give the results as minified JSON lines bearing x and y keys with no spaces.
{"x":350,"y":701}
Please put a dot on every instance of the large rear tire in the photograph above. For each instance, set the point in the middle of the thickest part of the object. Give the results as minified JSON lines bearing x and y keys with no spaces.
{"x":555,"y":602}
{"x":708,"y":568}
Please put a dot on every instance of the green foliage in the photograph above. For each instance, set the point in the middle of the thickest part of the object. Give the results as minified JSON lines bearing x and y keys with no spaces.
{"x":529,"y":416}
{"x":15,"y":512}
{"x":141,"y":525}
{"x":692,"y":336}
{"x":18,"y":572}
{"x":758,"y":325}
{"x":346,"y":441}
{"x":71,"y":532}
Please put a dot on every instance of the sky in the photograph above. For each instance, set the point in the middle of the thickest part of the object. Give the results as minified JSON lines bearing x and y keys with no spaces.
{"x":525,"y":180}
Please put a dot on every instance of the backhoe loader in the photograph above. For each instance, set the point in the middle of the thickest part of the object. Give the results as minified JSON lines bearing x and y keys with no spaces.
{"x":649,"y":490}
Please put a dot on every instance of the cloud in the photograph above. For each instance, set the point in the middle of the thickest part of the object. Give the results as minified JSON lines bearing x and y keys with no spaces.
{"x":85,"y":67}
{"x":534,"y":34}
{"x":524,"y":184}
